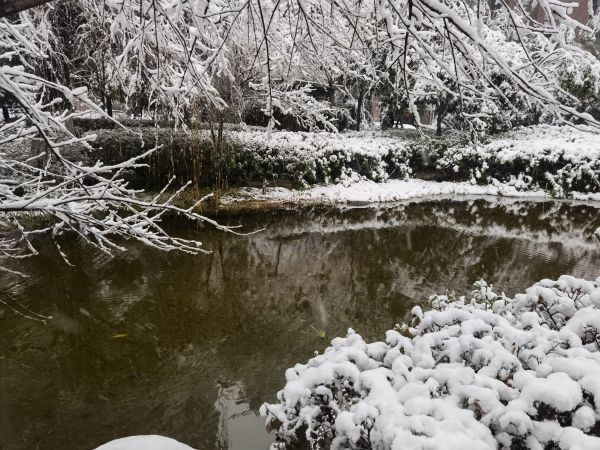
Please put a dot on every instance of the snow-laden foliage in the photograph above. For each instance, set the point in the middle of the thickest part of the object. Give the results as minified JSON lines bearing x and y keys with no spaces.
{"x":484,"y":64}
{"x":181,"y":59}
{"x":482,"y":372}
{"x":559,"y":159}
{"x":91,"y":199}
{"x":299,"y":159}
{"x":309,"y":158}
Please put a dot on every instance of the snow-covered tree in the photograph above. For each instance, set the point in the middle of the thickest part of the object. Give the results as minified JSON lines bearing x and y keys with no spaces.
{"x":180,"y":55}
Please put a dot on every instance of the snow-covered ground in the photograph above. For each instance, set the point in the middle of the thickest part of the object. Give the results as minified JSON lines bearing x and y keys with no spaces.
{"x":389,"y":191}
{"x":529,"y":162}
{"x":482,"y":372}
{"x":148,"y":442}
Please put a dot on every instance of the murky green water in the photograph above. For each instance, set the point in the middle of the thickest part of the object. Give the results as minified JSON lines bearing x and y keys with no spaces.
{"x":208,"y":337}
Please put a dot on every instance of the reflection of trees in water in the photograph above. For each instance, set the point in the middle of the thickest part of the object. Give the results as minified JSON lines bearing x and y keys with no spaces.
{"x":244,"y":313}
{"x":239,"y":427}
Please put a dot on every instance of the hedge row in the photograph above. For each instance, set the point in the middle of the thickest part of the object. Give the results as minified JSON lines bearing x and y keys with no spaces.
{"x":557,"y":159}
{"x":245,"y":158}
{"x":554,"y":159}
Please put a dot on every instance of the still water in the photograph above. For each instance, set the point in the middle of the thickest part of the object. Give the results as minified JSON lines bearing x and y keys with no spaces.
{"x":190,"y":346}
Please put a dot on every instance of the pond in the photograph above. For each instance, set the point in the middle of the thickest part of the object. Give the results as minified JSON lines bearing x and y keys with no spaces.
{"x":190,"y":346}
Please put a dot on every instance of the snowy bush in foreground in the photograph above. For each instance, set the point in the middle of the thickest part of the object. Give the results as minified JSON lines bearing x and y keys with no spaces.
{"x":485,"y":373}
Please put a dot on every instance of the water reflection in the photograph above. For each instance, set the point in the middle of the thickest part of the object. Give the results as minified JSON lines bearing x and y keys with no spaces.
{"x":190,"y":346}
{"x":238,"y":425}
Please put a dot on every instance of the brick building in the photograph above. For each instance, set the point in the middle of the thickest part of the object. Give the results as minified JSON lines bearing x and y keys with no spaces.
{"x":581,"y":13}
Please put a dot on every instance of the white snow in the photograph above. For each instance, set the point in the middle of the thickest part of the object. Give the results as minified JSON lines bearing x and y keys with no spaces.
{"x":389,"y":191}
{"x":546,"y":141}
{"x":148,"y":442}
{"x":584,"y":418}
{"x":317,"y":143}
{"x":481,"y":373}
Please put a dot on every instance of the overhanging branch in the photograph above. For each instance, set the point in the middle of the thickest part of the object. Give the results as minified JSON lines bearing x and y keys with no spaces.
{"x":10,"y":7}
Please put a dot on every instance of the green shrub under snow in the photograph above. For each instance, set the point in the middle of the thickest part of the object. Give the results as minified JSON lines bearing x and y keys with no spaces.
{"x":488,"y":372}
{"x":557,"y":159}
{"x":246,"y":157}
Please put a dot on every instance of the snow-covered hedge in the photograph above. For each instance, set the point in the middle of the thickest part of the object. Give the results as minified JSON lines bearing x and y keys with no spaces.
{"x":297,"y":158}
{"x":557,"y":159}
{"x":485,"y":373}
{"x":311,"y":158}
{"x":560,"y":160}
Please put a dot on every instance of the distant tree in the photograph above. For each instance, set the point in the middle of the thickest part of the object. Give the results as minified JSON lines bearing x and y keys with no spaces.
{"x":175,"y":55}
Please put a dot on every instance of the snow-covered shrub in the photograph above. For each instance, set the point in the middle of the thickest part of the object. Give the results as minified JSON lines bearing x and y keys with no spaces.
{"x":298,"y":158}
{"x":324,"y":157}
{"x":580,"y":76}
{"x":186,"y":156}
{"x":485,"y":373}
{"x":557,"y":159}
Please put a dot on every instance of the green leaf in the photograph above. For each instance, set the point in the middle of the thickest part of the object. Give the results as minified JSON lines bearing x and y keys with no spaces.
{"x":119,"y":335}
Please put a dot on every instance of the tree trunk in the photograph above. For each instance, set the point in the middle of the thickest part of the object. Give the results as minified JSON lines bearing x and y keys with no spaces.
{"x":187,"y":117}
{"x":359,"y":108}
{"x":10,"y":7}
{"x":5,"y":112}
{"x":109,"y":105}
{"x":439,"y":119}
{"x":331,"y":93}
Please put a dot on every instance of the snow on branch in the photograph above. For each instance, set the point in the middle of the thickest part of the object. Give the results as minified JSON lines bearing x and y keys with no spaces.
{"x":91,"y":200}
{"x":61,"y":60}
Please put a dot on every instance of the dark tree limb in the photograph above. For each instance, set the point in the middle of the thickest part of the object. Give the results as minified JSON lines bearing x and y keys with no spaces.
{"x":10,"y":7}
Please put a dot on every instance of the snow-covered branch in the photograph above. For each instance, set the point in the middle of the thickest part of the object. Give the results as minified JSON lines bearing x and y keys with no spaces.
{"x":176,"y":59}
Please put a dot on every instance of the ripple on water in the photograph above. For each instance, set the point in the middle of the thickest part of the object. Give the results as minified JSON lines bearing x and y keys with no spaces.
{"x":190,"y":346}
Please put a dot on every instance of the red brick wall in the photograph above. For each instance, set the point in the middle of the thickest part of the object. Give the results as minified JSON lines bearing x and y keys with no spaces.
{"x":581,"y":13}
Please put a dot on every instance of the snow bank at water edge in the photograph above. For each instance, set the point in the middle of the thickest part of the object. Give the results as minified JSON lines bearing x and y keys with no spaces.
{"x":390,"y":191}
{"x":481,"y":373}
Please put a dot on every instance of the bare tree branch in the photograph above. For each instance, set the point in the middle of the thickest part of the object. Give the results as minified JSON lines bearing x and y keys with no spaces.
{"x":10,"y":7}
